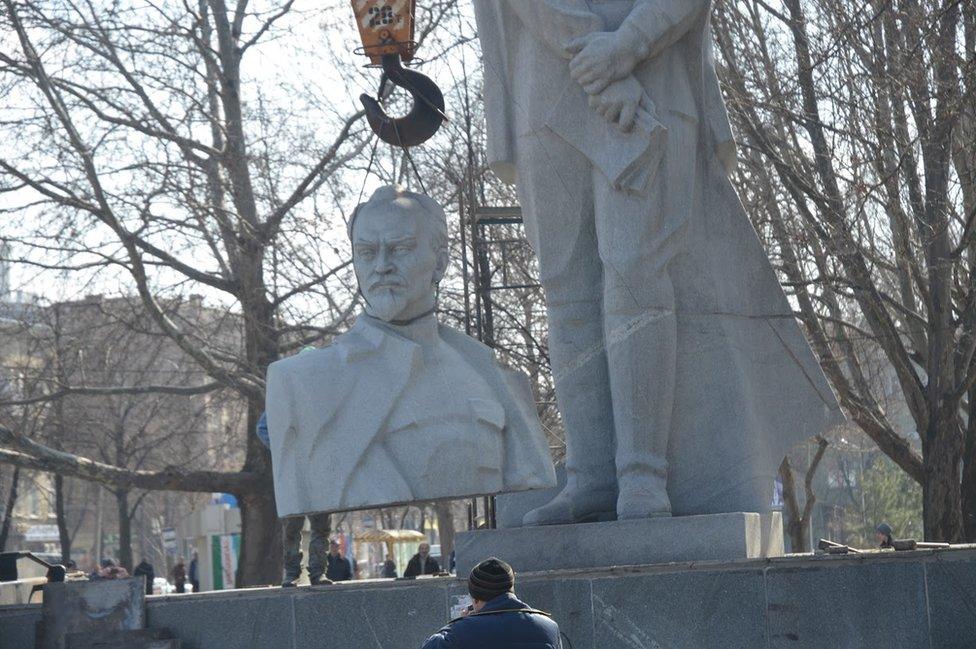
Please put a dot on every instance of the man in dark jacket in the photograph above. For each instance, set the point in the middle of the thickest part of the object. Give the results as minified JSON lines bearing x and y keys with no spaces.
{"x":145,"y":568}
{"x":497,"y":620}
{"x":338,"y":568}
{"x":422,"y":563}
{"x":178,"y":575}
{"x":195,"y":572}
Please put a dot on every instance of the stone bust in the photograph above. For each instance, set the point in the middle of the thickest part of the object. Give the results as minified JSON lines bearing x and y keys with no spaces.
{"x":400,"y":408}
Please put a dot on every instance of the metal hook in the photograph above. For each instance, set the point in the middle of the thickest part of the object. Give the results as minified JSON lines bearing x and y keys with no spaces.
{"x":425,"y":116}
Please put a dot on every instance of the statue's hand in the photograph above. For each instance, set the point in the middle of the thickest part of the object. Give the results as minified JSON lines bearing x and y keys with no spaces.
{"x":619,"y":102}
{"x":601,"y":58}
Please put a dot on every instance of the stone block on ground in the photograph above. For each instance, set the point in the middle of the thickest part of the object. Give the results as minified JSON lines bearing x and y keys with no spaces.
{"x":713,"y":537}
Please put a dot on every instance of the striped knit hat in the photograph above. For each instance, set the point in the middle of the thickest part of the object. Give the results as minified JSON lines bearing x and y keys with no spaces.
{"x":491,"y":578}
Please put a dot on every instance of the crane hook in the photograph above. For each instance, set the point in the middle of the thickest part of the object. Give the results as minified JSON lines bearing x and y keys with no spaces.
{"x":425,"y":116}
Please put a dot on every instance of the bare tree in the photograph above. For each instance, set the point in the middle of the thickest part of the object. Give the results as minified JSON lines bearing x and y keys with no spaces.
{"x":856,"y":126}
{"x":141,"y":161}
{"x":797,"y":521}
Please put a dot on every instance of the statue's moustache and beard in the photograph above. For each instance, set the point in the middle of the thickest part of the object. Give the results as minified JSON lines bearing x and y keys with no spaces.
{"x":386,"y":298}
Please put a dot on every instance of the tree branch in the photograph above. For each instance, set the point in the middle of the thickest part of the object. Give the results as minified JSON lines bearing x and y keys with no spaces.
{"x":31,"y":455}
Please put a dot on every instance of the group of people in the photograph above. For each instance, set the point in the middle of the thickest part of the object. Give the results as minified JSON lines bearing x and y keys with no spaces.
{"x":180,"y":575}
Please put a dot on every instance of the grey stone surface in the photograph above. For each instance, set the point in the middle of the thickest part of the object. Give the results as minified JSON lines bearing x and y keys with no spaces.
{"x":400,"y":408}
{"x":212,"y":621}
{"x":569,"y":602}
{"x":771,"y":532}
{"x":828,"y":602}
{"x":17,"y":625}
{"x":681,"y":374}
{"x":383,"y":618}
{"x":848,"y":604}
{"x":511,"y":508}
{"x":680,"y":609}
{"x":715,"y":537}
{"x":952,"y":603}
{"x":92,"y":606}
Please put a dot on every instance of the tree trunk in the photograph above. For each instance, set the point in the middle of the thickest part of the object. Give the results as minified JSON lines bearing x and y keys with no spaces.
{"x":445,"y":527}
{"x":260,"y":561}
{"x":969,"y":473}
{"x":62,"y":519}
{"x":942,"y":488}
{"x":125,"y":529}
{"x":797,"y":520}
{"x":8,"y":512}
{"x":791,"y":508}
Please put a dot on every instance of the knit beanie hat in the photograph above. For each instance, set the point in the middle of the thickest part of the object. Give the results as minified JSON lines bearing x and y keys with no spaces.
{"x":884,"y":528}
{"x":491,"y":578}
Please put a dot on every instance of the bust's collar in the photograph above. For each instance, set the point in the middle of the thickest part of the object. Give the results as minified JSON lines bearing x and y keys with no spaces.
{"x":422,"y":331}
{"x":368,"y":334}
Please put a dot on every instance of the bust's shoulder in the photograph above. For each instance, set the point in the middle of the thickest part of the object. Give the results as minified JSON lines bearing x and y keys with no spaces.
{"x":463,"y":342}
{"x":305,"y":362}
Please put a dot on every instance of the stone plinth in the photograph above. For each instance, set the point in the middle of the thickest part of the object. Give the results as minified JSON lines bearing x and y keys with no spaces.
{"x":715,"y":537}
{"x":796,"y":602}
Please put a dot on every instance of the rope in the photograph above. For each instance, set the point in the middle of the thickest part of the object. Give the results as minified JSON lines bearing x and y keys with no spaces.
{"x":406,"y":152}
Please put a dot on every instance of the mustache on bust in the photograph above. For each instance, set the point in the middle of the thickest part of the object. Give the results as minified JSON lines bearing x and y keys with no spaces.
{"x":386,"y":283}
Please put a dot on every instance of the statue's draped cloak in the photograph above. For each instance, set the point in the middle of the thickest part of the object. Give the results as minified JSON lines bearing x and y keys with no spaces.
{"x":748,"y":386}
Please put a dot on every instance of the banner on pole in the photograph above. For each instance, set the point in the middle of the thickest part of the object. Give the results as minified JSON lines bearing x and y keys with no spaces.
{"x":225,"y":551}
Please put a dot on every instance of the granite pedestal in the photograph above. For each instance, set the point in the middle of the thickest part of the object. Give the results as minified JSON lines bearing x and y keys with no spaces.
{"x":714,"y":537}
{"x":795,"y":602}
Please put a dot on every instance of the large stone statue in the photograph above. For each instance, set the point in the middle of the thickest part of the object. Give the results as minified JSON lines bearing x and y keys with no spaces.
{"x":681,"y":374}
{"x":400,"y":408}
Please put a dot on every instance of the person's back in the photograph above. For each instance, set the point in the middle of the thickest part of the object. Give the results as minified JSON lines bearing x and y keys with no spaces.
{"x":499,"y":625}
{"x":146,"y":569}
{"x":497,"y":619}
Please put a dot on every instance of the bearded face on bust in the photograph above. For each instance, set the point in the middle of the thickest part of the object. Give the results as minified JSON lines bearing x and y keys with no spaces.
{"x":400,"y":253}
{"x":400,"y":408}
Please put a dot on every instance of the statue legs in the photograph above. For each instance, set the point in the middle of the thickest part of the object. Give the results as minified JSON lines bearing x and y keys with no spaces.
{"x":638,"y":238}
{"x":554,"y":191}
{"x":640,"y":335}
{"x":603,"y":258}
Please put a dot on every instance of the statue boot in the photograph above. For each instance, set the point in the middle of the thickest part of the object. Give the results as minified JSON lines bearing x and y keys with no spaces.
{"x":642,"y":379}
{"x":643,"y":490}
{"x":580,"y":371}
{"x":575,"y":504}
